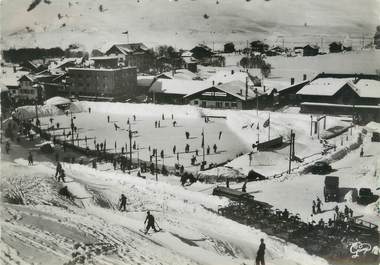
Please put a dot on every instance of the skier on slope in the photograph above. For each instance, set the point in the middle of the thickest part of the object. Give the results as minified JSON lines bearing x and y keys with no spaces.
{"x":150,"y":219}
{"x":123,"y":203}
{"x":261,"y":253}
{"x":58,"y":169}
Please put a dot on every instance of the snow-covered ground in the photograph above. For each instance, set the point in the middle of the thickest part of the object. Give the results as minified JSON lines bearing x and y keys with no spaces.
{"x":50,"y":229}
{"x":239,"y":132}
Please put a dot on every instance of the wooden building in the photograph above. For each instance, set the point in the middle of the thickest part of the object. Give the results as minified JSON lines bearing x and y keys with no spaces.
{"x":133,"y":54}
{"x":310,"y":50}
{"x":232,"y":95}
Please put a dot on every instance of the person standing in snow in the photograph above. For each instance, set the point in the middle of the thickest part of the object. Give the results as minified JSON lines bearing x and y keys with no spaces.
{"x":174,"y":149}
{"x":220,"y":134}
{"x":208,"y":150}
{"x":361,"y":152}
{"x":150,"y":219}
{"x":155,"y":124}
{"x":108,"y":119}
{"x":89,"y":110}
{"x":215,"y":148}
{"x":30,"y":159}
{"x":313,"y":207}
{"x":123,"y":203}
{"x":187,"y":134}
{"x":319,"y":203}
{"x":62,"y":176}
{"x":244,"y":188}
{"x":7,"y":147}
{"x":58,"y":169}
{"x":261,"y":253}
{"x":134,"y":117}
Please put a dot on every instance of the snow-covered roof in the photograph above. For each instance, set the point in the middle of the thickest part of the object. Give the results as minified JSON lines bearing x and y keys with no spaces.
{"x":3,"y":88}
{"x":145,"y":80}
{"x":57,"y":101}
{"x":223,"y":76}
{"x":182,"y":74}
{"x":373,"y":127}
{"x":237,"y":89}
{"x":99,"y":58}
{"x":366,"y":88}
{"x":187,"y":54}
{"x":324,"y":86}
{"x":130,"y":48}
{"x":176,"y":86}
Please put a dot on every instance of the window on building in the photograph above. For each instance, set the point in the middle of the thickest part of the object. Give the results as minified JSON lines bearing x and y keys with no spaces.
{"x":195,"y":102}
{"x":234,"y":104}
{"x":227,"y":104}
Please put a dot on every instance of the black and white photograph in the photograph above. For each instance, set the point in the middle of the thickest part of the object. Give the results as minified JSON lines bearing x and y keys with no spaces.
{"x":190,"y":132}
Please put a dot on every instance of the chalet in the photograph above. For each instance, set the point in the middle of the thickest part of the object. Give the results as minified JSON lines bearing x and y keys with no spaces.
{"x":29,"y":89}
{"x":172,"y":91}
{"x":201,"y":52}
{"x":335,"y":47}
{"x":232,"y":95}
{"x":229,"y":47}
{"x":345,"y":90}
{"x":310,"y":50}
{"x":144,"y":82}
{"x":133,"y":54}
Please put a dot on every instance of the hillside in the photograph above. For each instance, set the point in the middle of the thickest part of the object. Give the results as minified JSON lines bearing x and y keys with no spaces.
{"x":182,"y":23}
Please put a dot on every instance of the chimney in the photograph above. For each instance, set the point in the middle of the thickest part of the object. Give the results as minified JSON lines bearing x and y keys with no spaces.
{"x":213,"y":82}
{"x":292,"y":81}
{"x":304,"y":77}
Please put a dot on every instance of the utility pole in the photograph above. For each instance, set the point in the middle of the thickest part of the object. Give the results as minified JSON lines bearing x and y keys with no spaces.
{"x":156,"y":166}
{"x":203,"y":146}
{"x":130,"y":143}
{"x":311,"y":125}
{"x":291,"y":150}
{"x":72,"y":127}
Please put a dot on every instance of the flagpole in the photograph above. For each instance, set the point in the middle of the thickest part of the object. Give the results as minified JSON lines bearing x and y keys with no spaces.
{"x":269,"y":128}
{"x":203,"y":144}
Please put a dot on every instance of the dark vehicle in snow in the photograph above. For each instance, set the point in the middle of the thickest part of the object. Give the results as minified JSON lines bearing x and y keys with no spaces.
{"x":366,"y":196}
{"x":321,"y":167}
{"x":331,"y":189}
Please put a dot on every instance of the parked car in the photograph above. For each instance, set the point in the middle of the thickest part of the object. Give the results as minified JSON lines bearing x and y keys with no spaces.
{"x":331,"y":189}
{"x":321,"y":167}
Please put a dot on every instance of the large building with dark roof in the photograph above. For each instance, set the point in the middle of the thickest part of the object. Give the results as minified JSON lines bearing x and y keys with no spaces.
{"x":133,"y":54}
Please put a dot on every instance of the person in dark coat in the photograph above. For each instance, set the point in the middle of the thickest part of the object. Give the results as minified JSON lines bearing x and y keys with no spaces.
{"x":319,"y":203}
{"x":58,"y":169}
{"x":215,"y":148}
{"x":7,"y":147}
{"x":313,"y":207}
{"x":174,"y":149}
{"x":30,"y":159}
{"x":187,"y":134}
{"x":261,"y":253}
{"x":244,"y":188}
{"x":62,"y":176}
{"x":108,"y":119}
{"x":151,"y":223}
{"x":220,"y":134}
{"x":123,"y":203}
{"x":208,"y":149}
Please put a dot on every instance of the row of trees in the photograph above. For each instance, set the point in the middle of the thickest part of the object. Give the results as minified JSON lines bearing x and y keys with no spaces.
{"x":28,"y":54}
{"x":256,"y":61}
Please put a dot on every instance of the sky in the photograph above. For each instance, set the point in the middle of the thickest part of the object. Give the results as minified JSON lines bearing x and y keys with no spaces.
{"x":183,"y":23}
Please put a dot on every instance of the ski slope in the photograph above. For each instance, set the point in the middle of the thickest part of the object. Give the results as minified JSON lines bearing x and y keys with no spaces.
{"x":53,"y":229}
